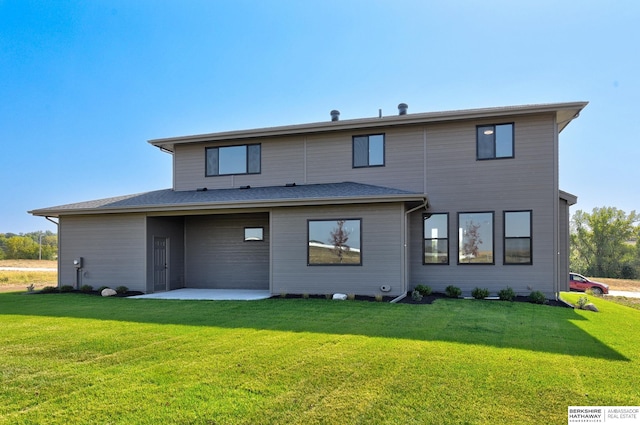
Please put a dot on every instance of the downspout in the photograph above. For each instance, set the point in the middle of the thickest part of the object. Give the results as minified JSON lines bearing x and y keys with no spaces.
{"x":58,"y":233}
{"x":425,"y":205}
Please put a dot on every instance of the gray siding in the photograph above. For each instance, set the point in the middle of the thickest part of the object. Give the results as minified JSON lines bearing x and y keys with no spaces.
{"x":457,"y":182}
{"x":282,"y":162}
{"x":171,"y":228}
{"x":312,"y":159}
{"x":218,"y":257}
{"x":112,"y":246}
{"x":382,"y":253}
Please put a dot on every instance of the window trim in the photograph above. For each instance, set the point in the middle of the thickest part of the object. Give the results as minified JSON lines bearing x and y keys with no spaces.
{"x":353,"y":151}
{"x":310,"y":264}
{"x":424,"y":239}
{"x":513,"y":142}
{"x":247,"y":145}
{"x":504,"y":234}
{"x":493,"y":238}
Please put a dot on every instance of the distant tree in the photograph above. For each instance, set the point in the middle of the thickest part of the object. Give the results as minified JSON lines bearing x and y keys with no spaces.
{"x":21,"y":247}
{"x":29,"y":245}
{"x":600,"y":243}
{"x":338,"y":238}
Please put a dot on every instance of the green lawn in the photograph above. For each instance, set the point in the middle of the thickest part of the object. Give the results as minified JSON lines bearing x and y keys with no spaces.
{"x":72,"y":358}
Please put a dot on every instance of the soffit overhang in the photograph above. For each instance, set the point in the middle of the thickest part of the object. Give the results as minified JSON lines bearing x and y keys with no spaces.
{"x":564,"y":112}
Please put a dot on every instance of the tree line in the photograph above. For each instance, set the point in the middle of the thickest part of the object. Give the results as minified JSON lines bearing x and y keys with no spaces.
{"x":605,"y":243}
{"x":35,"y":245}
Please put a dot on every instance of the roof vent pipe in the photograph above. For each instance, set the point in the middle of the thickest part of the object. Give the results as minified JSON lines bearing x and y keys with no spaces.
{"x":335,"y":115}
{"x":402,"y":109}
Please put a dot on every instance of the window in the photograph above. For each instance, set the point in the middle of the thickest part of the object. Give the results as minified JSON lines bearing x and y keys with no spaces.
{"x":517,"y":237}
{"x":334,"y":242}
{"x":475,"y":238}
{"x":253,"y":234}
{"x":494,"y":141}
{"x":226,"y":160}
{"x":436,"y":239}
{"x":368,"y":151}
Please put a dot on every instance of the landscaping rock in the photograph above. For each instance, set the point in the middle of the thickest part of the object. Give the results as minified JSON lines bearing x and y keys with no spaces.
{"x":108,"y":292}
{"x":590,"y":307}
{"x":340,"y":296}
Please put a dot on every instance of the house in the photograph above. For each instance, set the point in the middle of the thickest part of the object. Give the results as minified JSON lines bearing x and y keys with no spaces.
{"x":365,"y":206}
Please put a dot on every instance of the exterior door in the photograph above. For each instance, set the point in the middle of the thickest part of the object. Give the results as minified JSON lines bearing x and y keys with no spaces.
{"x":160,"y":264}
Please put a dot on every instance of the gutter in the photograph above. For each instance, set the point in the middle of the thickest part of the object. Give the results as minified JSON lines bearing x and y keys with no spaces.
{"x":58,"y":259}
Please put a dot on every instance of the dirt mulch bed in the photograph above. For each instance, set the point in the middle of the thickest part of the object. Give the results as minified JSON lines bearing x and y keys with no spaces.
{"x":425,"y":300}
{"x":436,"y":296}
{"x":95,"y":293}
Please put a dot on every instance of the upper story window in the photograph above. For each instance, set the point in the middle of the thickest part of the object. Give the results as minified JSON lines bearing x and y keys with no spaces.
{"x":494,"y":141}
{"x":368,"y":151}
{"x":226,"y":160}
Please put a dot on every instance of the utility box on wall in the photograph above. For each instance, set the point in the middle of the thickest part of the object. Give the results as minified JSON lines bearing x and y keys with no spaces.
{"x":77,"y":263}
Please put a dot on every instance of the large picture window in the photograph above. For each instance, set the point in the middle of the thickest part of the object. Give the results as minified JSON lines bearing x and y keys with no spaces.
{"x":475,"y":238}
{"x":334,"y":242}
{"x":517,"y":237}
{"x":368,"y":151}
{"x":494,"y":141}
{"x":436,"y":239}
{"x":227,"y":160}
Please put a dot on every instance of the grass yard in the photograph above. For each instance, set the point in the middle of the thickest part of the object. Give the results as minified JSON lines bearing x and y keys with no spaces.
{"x":72,"y":358}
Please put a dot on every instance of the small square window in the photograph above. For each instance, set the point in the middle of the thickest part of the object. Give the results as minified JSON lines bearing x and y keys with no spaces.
{"x":494,"y":141}
{"x":368,"y":151}
{"x":253,"y":234}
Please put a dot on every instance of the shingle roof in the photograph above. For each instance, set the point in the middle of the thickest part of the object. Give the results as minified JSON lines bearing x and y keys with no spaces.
{"x":170,"y":200}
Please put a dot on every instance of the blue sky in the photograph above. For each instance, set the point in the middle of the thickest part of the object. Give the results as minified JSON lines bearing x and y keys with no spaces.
{"x":84,"y":84}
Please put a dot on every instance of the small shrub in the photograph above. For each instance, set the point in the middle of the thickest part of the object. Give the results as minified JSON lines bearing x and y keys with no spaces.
{"x":480,"y":293}
{"x":305,"y":296}
{"x":86,"y":288}
{"x":122,"y":289}
{"x":4,"y":279}
{"x":102,"y":288}
{"x":416,"y":295}
{"x":328,"y":296}
{"x":424,"y":290}
{"x":351,"y":297}
{"x":453,"y":291}
{"x":31,"y":288}
{"x":506,"y":294}
{"x":378,"y":297}
{"x":582,"y":301}
{"x":66,"y":288}
{"x":283,"y":295}
{"x":537,"y":297}
{"x":49,"y":290}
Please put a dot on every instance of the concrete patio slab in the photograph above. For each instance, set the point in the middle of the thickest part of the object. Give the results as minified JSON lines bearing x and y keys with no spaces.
{"x":208,"y":294}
